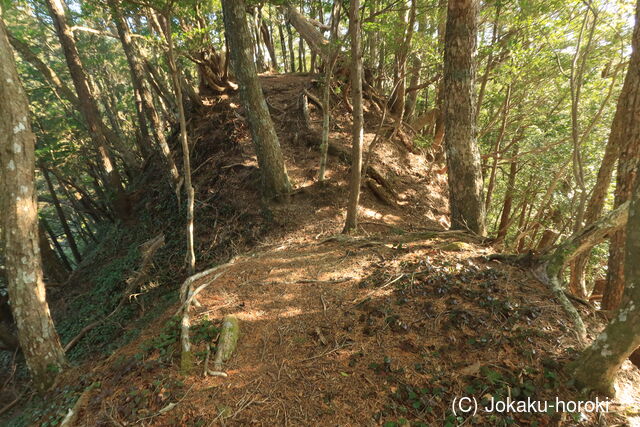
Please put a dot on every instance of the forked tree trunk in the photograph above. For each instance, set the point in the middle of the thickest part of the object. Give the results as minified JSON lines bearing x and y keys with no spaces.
{"x":463,"y":158}
{"x":19,"y":224}
{"x":274,"y":173}
{"x":351,"y":222}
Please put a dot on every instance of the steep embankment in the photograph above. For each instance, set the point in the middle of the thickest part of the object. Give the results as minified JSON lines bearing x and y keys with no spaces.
{"x":386,"y":327}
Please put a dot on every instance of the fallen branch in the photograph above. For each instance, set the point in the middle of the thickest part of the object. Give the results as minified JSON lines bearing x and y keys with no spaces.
{"x":227,"y":342}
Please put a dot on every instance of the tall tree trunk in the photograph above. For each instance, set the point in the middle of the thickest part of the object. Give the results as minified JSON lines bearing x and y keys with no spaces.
{"x":292,"y":56}
{"x":283,"y":49}
{"x":496,"y":149}
{"x":326,"y":90}
{"x":355,"y":30}
{"x":146,"y":99}
{"x":626,"y":129}
{"x":503,"y":227}
{"x":88,"y":103}
{"x":61,"y":215}
{"x":400,"y":81}
{"x":463,"y":158}
{"x":274,"y":173}
{"x":19,"y":224}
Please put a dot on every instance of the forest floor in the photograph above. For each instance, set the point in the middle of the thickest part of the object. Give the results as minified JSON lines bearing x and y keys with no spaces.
{"x":385,"y":327}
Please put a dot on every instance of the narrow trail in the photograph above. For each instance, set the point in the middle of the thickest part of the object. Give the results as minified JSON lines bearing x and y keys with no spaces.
{"x":380,"y":329}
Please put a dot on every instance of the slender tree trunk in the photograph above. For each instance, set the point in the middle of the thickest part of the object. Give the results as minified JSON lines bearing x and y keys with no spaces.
{"x":496,"y":149}
{"x":292,"y":56}
{"x":355,"y":30}
{"x":146,"y":99}
{"x":19,"y":224}
{"x":508,"y":198}
{"x":326,"y":90}
{"x":88,"y":104}
{"x":283,"y":49}
{"x":463,"y":158}
{"x":400,"y":84}
{"x":61,"y":216}
{"x":274,"y":173}
{"x":54,"y":270}
{"x":56,"y":244}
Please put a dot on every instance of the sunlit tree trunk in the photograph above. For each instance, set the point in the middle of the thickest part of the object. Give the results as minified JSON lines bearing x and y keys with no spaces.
{"x":355,"y":178}
{"x":38,"y":339}
{"x":463,"y":158}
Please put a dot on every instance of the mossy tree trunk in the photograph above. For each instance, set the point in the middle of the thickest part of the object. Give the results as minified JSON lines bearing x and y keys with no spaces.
{"x":19,"y":224}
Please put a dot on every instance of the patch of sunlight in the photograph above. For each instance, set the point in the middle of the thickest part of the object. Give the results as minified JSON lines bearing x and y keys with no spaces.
{"x":628,"y":395}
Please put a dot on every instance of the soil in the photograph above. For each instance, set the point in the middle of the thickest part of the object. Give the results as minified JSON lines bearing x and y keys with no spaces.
{"x":384,"y":327}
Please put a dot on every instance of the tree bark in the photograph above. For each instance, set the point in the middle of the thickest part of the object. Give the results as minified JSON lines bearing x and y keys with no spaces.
{"x":61,"y":216}
{"x":626,"y":130}
{"x":463,"y":158}
{"x":503,"y":227}
{"x":274,"y":173}
{"x":398,"y":97}
{"x":38,"y":339}
{"x":56,"y":244}
{"x":597,"y":366}
{"x":355,"y":30}
{"x":326,"y":90}
{"x":146,"y":99}
{"x":88,"y":103}
{"x":550,"y":270}
{"x":54,"y":270}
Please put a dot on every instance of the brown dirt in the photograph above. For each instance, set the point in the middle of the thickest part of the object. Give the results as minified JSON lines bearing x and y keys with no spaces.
{"x":339,"y":330}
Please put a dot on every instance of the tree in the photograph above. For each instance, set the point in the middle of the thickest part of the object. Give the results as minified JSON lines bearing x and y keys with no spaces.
{"x":88,"y":103}
{"x":597,"y":366}
{"x":357,"y":130}
{"x":274,"y":173}
{"x":144,"y":101}
{"x":466,"y":200}
{"x":38,"y":338}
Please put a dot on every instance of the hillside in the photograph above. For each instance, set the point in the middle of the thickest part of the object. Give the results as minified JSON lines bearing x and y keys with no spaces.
{"x":385,"y":327}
